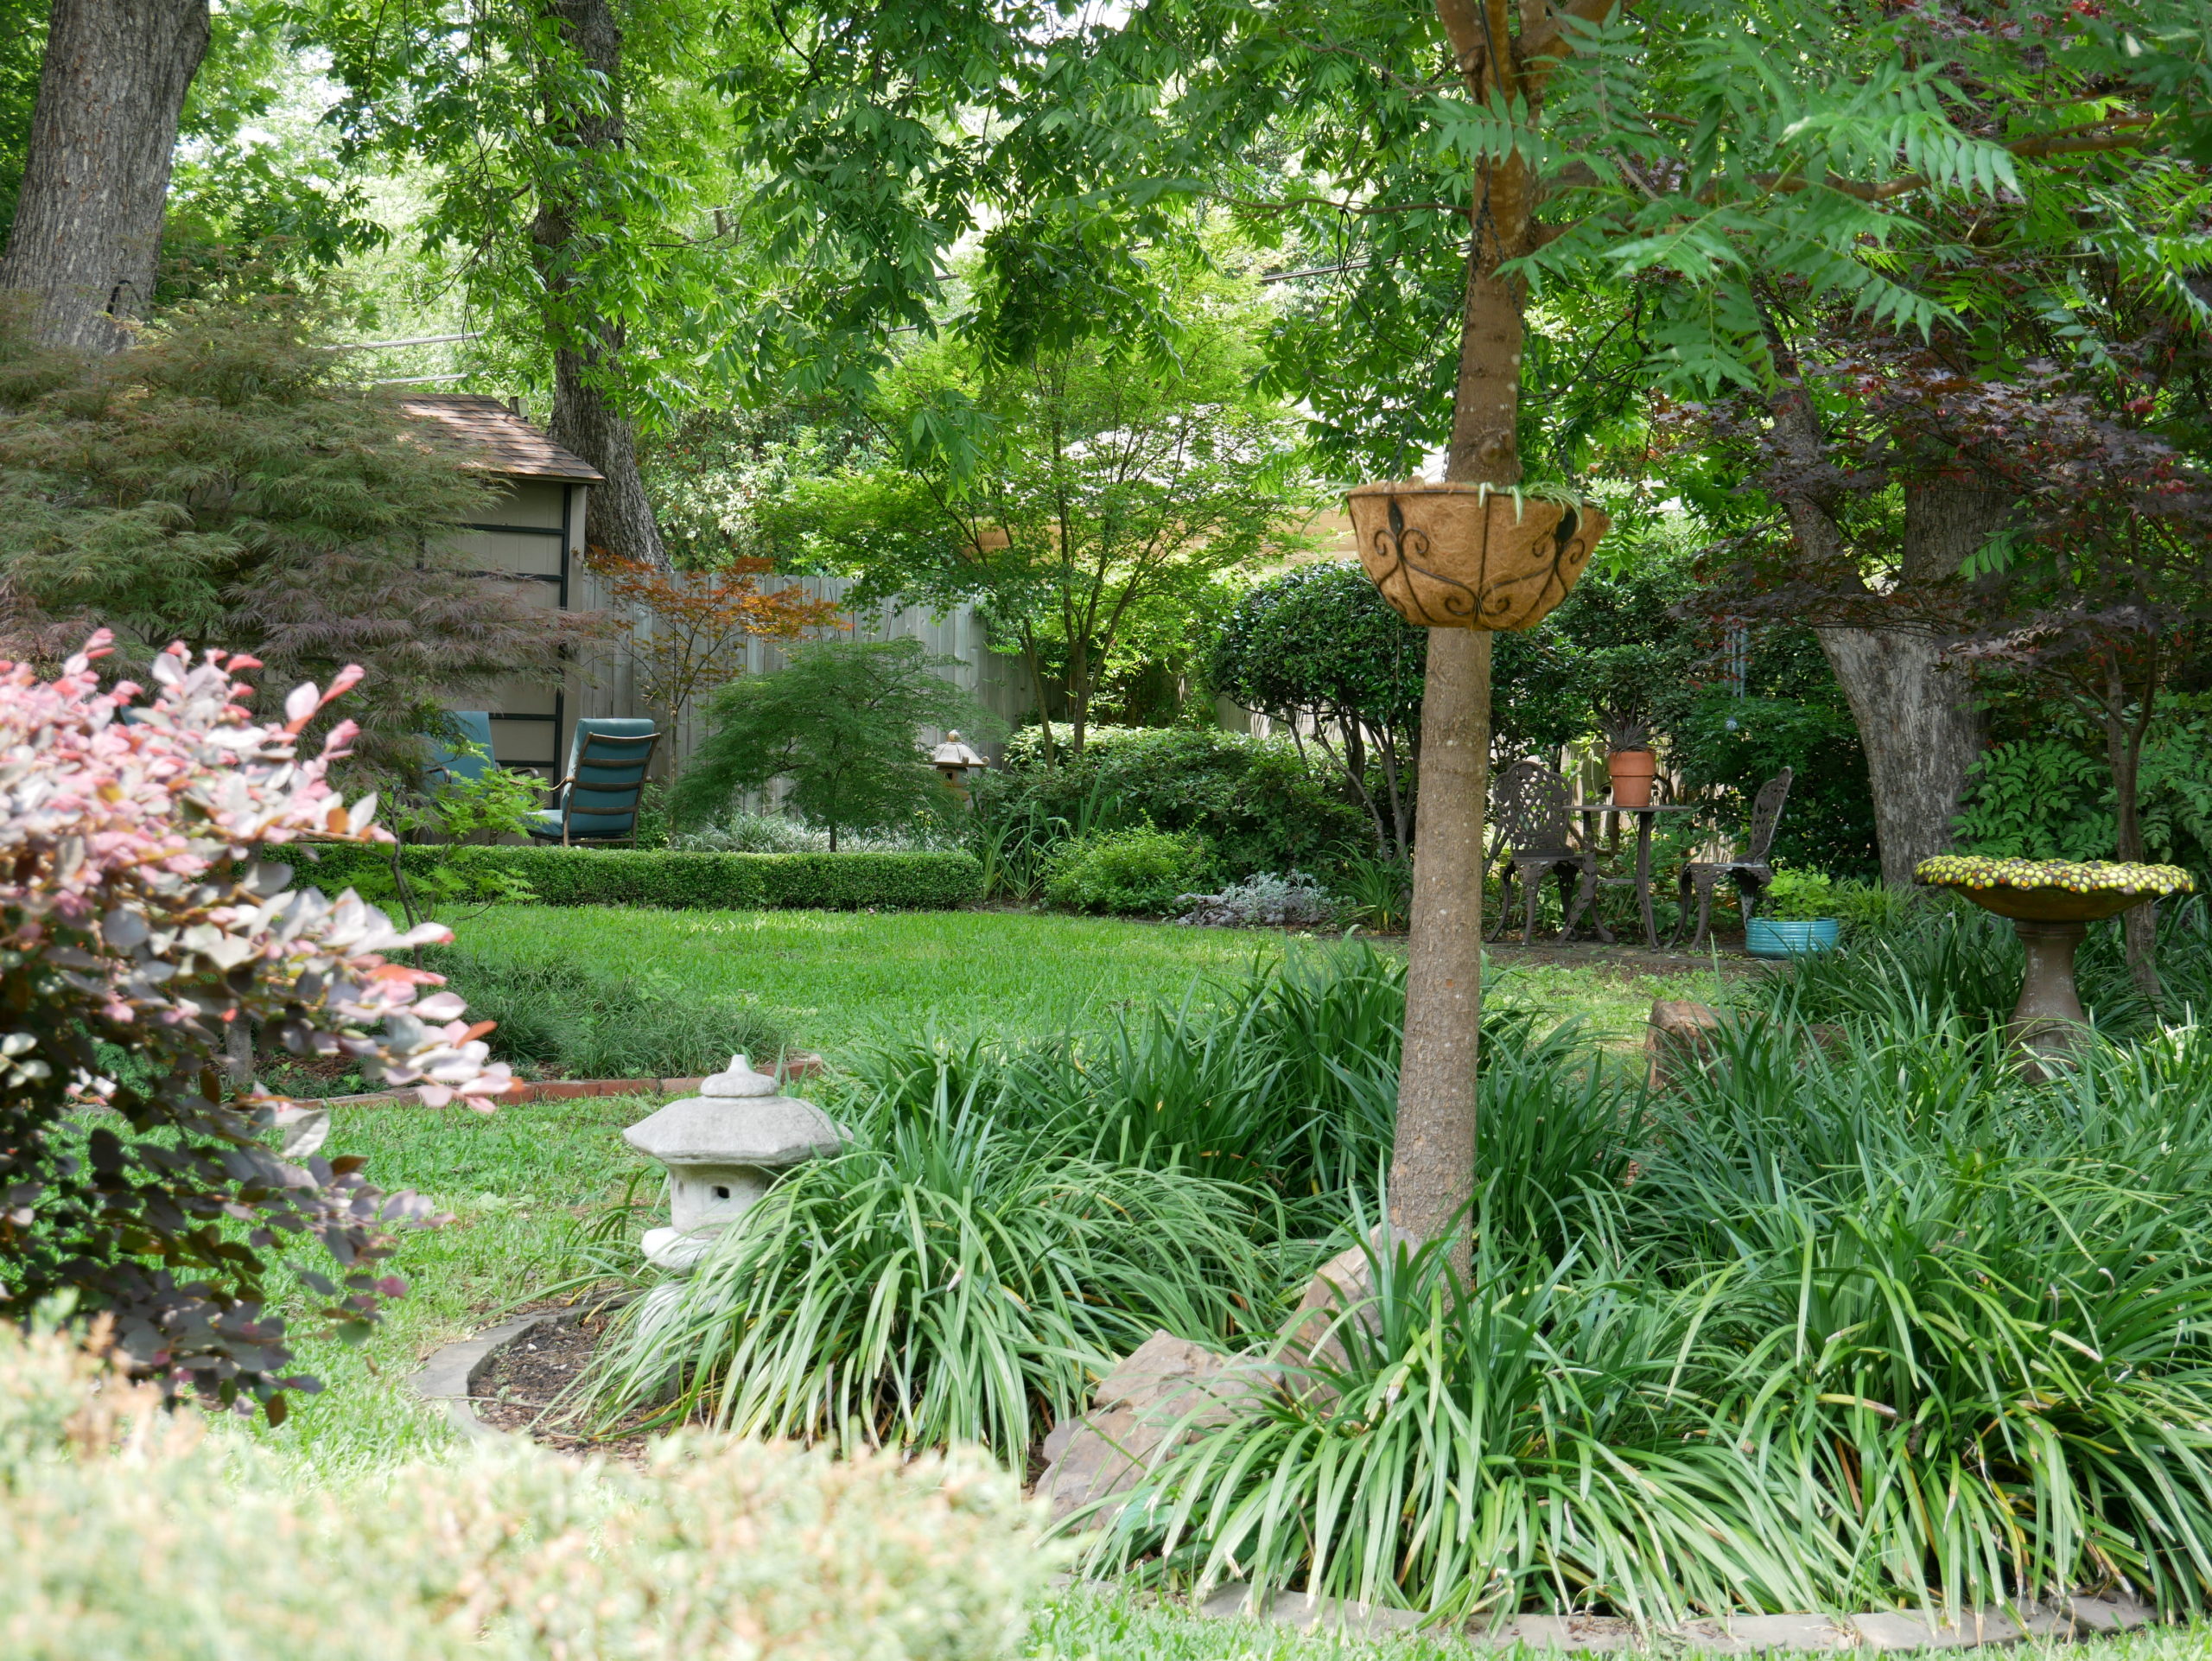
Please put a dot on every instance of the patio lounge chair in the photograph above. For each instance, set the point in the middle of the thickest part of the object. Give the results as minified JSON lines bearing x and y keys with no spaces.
{"x":1533,"y":806}
{"x":596,"y":800}
{"x":1751,"y":874}
{"x":450,"y":763}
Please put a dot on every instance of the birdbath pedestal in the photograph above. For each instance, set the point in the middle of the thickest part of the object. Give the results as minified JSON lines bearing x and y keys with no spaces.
{"x":2051,"y":904}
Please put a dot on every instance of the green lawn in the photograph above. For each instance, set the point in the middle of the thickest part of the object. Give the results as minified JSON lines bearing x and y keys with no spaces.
{"x":846,"y":977}
{"x":849,"y":977}
{"x":519,"y":1182}
{"x":1086,"y":1627}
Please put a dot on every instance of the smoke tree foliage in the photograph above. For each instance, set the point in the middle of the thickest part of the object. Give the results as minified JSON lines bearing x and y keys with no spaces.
{"x":142,"y":923}
{"x":227,"y":482}
{"x":839,"y":721}
{"x":1319,"y":645}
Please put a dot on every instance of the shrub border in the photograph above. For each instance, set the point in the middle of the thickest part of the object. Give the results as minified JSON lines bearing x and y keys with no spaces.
{"x":671,"y":879}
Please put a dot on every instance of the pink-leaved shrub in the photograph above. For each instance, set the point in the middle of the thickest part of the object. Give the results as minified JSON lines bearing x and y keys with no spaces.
{"x":138,"y":910}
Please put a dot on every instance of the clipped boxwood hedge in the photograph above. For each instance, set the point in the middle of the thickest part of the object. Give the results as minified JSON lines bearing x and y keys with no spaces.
{"x":682,"y":881}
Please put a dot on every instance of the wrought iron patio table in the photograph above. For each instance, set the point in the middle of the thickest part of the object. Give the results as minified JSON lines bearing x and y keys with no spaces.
{"x":1645,"y":819}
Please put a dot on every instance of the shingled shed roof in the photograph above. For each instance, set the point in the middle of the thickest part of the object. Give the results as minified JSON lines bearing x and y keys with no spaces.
{"x":507,"y":444}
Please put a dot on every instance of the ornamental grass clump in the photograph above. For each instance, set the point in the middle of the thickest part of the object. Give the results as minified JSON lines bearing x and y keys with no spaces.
{"x":142,"y":923}
{"x":1870,"y":1322}
{"x":948,"y":1280}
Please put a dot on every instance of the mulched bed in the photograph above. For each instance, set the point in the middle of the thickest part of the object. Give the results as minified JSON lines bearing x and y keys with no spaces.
{"x":527,"y":1378}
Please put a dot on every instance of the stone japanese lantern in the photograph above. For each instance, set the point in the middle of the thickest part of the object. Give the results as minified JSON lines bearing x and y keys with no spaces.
{"x":955,"y":760}
{"x":723,"y":1147}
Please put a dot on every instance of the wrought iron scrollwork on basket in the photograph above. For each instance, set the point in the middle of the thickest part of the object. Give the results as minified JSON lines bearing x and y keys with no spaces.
{"x":1396,"y":546}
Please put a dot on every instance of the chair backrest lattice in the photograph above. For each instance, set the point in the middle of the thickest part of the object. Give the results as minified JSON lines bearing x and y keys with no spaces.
{"x":1532,"y":803}
{"x":1766,"y":815}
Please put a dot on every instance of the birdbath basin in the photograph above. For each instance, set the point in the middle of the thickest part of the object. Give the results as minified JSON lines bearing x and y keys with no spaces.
{"x":2051,"y":903}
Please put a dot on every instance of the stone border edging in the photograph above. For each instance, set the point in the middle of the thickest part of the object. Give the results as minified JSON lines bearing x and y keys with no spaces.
{"x":1888,"y":1629}
{"x":797,"y":1064}
{"x":449,"y":1375}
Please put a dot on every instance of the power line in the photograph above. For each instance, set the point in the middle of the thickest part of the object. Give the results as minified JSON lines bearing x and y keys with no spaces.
{"x":412,"y":340}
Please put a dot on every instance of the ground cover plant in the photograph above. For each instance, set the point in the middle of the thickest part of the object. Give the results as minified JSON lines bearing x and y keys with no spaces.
{"x":514,"y":1556}
{"x":1868,"y":1319}
{"x":1013,"y":1215}
{"x":1849,"y":1317}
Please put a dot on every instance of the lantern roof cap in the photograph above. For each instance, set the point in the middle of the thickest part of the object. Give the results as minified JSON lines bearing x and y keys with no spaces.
{"x":737,"y":1118}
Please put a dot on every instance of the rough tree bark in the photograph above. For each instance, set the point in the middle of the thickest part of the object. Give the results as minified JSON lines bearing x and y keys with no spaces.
{"x":1916,"y":718}
{"x":588,"y":346}
{"x":88,"y":224}
{"x":1432,"y":1162}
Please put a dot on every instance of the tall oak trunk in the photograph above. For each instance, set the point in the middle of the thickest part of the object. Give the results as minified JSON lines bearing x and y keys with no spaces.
{"x":588,"y":346}
{"x":88,"y":224}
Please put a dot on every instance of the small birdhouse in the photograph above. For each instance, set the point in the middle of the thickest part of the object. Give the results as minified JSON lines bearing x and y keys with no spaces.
{"x":953,"y":760}
{"x":723,"y":1147}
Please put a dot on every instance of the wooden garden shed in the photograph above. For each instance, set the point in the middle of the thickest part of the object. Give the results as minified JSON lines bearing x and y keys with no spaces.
{"x":534,"y":535}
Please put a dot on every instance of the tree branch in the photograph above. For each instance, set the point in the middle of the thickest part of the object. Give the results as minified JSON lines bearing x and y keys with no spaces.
{"x":2123,"y":132}
{"x":1288,"y":203}
{"x":1542,"y":47}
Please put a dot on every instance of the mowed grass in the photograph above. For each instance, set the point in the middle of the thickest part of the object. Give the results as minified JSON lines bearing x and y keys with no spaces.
{"x":848,"y":977}
{"x":1092,"y":1626}
{"x":517,"y":1183}
{"x":852,"y":977}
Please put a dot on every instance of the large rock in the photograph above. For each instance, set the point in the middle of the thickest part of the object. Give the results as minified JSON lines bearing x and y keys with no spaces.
{"x":1681,"y":1034}
{"x":1170,"y":1387}
{"x":1342,"y":1288}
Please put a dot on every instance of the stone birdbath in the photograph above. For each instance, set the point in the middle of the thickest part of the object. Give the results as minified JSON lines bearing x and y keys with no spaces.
{"x":723,"y":1148}
{"x":2051,"y":903}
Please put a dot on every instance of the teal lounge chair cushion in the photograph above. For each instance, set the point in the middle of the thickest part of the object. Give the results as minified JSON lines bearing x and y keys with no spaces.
{"x":606,"y":767}
{"x":475,"y":727}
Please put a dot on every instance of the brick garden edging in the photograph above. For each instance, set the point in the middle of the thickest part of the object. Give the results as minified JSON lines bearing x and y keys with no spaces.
{"x":797,"y":1064}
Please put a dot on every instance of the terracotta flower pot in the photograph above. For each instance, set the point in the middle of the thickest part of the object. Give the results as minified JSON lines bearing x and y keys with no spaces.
{"x":1631,"y":771}
{"x":1466,"y":557}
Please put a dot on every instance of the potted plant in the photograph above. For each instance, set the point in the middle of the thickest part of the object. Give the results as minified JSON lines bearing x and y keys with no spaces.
{"x":1797,"y":916}
{"x":1623,"y":683}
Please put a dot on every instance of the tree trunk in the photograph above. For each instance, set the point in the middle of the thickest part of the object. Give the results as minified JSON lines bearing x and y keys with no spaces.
{"x":1917,"y":720}
{"x":1921,"y":732}
{"x":1432,"y":1162}
{"x":584,"y":113}
{"x":88,"y":224}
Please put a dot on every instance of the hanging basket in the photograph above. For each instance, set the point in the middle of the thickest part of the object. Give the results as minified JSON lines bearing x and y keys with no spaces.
{"x":1449,"y":556}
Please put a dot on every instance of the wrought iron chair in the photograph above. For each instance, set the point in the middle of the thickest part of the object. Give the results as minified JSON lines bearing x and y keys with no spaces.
{"x":596,"y":800}
{"x":1751,"y":874}
{"x":1532,"y":807}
